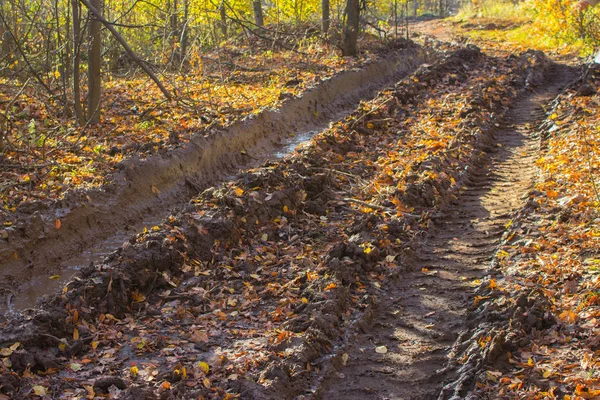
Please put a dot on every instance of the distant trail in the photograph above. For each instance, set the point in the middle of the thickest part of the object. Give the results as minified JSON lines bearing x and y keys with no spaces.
{"x":421,"y":314}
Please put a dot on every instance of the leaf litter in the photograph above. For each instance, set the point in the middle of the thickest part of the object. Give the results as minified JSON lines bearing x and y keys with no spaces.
{"x":244,"y":292}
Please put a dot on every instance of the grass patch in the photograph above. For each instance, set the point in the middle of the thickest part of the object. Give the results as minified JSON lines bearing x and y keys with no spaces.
{"x":514,"y":27}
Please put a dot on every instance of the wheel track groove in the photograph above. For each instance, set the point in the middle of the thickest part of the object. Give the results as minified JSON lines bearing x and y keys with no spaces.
{"x":421,"y":314}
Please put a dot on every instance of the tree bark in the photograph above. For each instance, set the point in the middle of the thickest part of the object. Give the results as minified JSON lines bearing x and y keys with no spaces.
{"x":351,"y":28}
{"x":325,"y":16}
{"x":184,"y":30}
{"x":76,"y":48}
{"x":174,"y":30}
{"x":258,"y":13}
{"x":223,"y":13}
{"x":94,"y":62}
{"x":127,"y":48}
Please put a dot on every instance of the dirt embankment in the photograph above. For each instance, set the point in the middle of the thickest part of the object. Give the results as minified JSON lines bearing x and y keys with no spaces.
{"x":48,"y":235}
{"x":254,"y":288}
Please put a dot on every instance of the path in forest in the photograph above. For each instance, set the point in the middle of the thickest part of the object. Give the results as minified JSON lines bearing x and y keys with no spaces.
{"x":421,"y":314}
{"x":142,"y":193}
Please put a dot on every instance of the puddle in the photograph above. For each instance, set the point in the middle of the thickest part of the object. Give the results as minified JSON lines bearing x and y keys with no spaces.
{"x":294,"y":142}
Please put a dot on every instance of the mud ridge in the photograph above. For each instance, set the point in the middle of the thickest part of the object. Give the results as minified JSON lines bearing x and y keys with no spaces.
{"x":419,"y":317}
{"x":148,"y":189}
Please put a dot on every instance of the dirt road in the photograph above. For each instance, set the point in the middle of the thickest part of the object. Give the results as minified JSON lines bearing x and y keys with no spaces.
{"x":346,"y":270}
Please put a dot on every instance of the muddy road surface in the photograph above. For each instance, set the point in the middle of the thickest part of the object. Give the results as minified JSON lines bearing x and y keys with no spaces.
{"x":143,"y":192}
{"x":345,"y":270}
{"x":404,"y":353}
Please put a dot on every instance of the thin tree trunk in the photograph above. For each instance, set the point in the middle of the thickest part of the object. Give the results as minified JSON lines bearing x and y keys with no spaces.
{"x":349,"y":46}
{"x":76,"y":49}
{"x":184,"y":30}
{"x":127,"y":48}
{"x":94,"y":63}
{"x":223,"y":13}
{"x":61,"y":57}
{"x":326,"y":17}
{"x":174,"y":31}
{"x":396,"y":19}
{"x":258,"y":13}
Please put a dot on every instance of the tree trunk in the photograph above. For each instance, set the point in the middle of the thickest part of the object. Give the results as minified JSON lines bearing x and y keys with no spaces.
{"x":62,"y":57}
{"x":184,"y":30}
{"x":396,"y":19}
{"x":94,"y":63}
{"x":258,"y":13}
{"x":174,"y":31}
{"x":325,"y":14}
{"x":126,"y":46}
{"x":223,"y":13}
{"x":351,"y":28}
{"x":76,"y":52}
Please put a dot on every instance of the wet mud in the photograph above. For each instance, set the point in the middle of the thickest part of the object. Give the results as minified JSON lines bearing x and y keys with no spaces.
{"x":143,"y":192}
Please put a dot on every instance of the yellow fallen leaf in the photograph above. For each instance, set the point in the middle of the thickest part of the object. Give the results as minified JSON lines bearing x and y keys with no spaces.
{"x":134,"y":371}
{"x":547,"y":374}
{"x":204,"y":367}
{"x":5,"y":352}
{"x":381,"y":349}
{"x":39,"y":390}
{"x":137,"y":297}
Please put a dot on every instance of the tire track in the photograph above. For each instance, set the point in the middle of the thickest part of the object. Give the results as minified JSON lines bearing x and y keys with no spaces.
{"x":421,"y":314}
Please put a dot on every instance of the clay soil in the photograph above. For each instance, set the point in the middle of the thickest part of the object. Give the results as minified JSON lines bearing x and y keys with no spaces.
{"x":352,"y":268}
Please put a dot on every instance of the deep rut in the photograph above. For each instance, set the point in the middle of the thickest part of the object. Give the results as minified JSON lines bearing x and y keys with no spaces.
{"x":421,"y":314}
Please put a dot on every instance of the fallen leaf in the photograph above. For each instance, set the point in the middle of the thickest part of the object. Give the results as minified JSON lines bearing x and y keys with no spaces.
{"x":39,"y":390}
{"x":204,"y":367}
{"x":381,"y":349}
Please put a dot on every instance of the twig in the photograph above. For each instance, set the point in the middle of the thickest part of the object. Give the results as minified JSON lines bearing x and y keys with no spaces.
{"x":378,"y":207}
{"x":31,"y":69}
